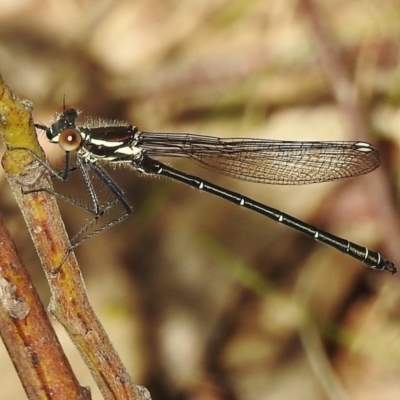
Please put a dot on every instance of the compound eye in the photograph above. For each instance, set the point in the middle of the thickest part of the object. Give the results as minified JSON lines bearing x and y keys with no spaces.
{"x":70,"y":140}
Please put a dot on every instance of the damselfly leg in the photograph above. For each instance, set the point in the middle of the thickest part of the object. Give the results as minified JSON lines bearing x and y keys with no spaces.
{"x":94,"y":207}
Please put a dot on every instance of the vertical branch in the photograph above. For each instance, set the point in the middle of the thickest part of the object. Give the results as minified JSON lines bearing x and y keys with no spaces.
{"x":346,"y":95}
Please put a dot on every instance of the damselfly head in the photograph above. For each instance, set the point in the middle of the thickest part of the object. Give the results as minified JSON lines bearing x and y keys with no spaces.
{"x":65,"y":121}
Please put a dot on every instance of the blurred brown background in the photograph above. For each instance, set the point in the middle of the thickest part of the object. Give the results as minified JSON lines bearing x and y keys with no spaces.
{"x":202,"y":299}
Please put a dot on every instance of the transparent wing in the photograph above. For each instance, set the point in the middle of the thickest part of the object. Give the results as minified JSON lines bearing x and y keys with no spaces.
{"x":267,"y":161}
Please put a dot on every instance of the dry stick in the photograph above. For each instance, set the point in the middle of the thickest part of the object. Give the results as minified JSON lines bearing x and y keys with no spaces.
{"x":69,"y":303}
{"x":345,"y":92}
{"x":28,"y":335}
{"x":376,"y":184}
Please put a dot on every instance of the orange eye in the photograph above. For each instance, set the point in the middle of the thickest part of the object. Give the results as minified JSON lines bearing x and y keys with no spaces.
{"x":70,"y":140}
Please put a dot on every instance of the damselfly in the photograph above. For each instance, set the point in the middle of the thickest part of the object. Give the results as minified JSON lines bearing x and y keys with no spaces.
{"x":255,"y":160}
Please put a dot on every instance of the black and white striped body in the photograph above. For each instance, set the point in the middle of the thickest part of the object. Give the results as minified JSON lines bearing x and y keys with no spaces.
{"x":257,"y":160}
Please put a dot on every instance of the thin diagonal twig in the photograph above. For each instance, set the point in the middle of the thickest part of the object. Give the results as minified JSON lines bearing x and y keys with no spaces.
{"x":69,"y":303}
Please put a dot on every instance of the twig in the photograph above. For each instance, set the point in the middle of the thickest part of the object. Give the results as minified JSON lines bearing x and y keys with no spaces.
{"x":28,"y":334}
{"x":69,"y":303}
